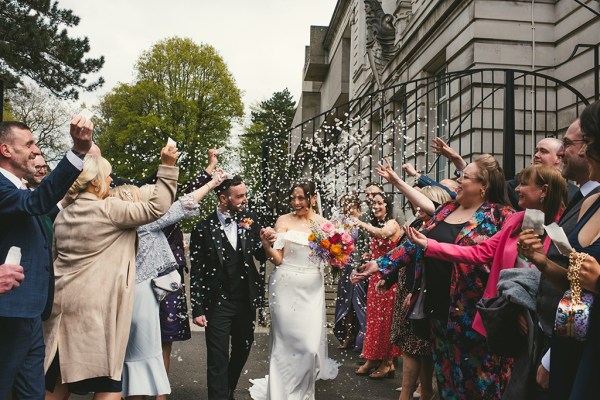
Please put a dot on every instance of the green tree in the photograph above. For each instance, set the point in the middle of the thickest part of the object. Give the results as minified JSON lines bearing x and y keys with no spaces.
{"x":266,"y":136}
{"x":181,"y":90}
{"x":35,"y":43}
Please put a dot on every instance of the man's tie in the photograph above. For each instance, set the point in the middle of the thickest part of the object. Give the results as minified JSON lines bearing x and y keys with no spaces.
{"x":576,"y":199}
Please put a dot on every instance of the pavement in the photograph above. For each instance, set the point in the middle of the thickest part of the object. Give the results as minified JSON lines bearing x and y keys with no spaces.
{"x":188,"y":373}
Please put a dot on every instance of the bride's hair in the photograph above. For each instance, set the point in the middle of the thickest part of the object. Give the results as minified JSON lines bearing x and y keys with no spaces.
{"x":309,"y":188}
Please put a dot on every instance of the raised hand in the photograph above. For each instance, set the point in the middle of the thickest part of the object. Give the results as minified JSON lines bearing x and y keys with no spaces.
{"x":213,"y":159}
{"x":168,"y":155}
{"x":387,"y":172}
{"x":438,"y":146}
{"x":217,"y":178}
{"x":416,"y":237}
{"x":81,"y":132}
{"x":409,"y":169}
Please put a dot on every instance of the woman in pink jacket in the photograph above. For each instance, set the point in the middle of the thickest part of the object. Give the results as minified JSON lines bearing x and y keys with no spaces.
{"x":541,"y":188}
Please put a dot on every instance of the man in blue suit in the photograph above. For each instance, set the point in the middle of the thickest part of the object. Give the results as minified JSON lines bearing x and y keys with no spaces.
{"x":22,"y":308}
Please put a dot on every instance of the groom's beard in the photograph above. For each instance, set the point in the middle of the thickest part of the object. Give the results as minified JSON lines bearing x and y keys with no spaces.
{"x":235,"y":211}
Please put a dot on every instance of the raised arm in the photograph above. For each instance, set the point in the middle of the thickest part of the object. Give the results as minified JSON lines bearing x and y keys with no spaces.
{"x":440,"y":147}
{"x":482,"y":253}
{"x":415,"y":197}
{"x":127,"y":214}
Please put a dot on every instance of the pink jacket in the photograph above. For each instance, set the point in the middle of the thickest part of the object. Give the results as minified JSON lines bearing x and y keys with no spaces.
{"x":500,"y":249}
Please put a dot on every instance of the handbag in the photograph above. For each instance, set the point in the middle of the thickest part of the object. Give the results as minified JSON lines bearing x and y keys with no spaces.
{"x":573,"y":312}
{"x":165,"y":284}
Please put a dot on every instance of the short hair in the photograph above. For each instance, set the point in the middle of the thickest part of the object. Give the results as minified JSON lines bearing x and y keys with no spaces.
{"x":491,"y":174}
{"x":541,"y":175}
{"x":556,"y":143}
{"x":94,"y":167}
{"x":127,"y":193}
{"x":225,"y":186}
{"x":589,"y":122}
{"x":6,"y":130}
{"x":389,"y":208}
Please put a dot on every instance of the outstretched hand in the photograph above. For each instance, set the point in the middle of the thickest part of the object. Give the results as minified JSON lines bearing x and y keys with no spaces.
{"x":387,"y":172}
{"x":81,"y":132}
{"x":416,"y":237}
{"x":438,"y":146}
{"x":217,"y":178}
{"x":409,"y":169}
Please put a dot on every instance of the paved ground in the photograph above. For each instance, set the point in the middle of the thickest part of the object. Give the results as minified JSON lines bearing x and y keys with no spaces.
{"x":188,"y":373}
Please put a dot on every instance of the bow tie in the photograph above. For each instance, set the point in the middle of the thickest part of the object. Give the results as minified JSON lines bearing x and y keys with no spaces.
{"x":228,"y":221}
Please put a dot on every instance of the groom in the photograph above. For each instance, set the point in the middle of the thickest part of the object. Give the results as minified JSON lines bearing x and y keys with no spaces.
{"x":226,"y":287}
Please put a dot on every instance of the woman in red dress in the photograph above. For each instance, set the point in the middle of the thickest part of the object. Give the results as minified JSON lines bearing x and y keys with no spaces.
{"x":378,"y":350}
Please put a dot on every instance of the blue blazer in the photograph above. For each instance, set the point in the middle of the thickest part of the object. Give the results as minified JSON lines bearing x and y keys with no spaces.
{"x":20,"y":212}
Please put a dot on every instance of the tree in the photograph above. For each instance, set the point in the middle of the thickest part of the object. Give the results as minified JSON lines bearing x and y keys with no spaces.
{"x":35,"y":43}
{"x":181,"y":90}
{"x":266,"y":136}
{"x":47,"y":117}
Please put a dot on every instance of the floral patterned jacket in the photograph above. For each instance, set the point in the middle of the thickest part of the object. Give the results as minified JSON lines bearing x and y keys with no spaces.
{"x":467,"y":282}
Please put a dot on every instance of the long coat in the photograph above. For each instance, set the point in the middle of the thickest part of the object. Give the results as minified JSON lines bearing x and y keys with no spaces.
{"x":94,"y":267}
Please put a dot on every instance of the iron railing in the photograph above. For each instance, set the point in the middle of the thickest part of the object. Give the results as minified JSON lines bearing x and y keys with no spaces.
{"x":503,"y":112}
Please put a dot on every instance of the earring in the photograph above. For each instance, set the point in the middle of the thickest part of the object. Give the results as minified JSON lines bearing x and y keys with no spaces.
{"x":542,"y":199}
{"x":482,"y":193}
{"x":96,"y":189}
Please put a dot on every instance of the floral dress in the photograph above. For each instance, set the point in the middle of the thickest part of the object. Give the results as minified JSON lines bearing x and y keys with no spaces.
{"x":380,"y":308}
{"x":464,"y":367}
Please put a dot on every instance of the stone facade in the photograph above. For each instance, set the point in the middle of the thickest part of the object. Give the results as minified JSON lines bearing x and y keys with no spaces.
{"x":433,"y":38}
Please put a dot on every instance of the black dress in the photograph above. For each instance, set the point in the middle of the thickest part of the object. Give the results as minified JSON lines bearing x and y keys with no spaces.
{"x":575,"y":366}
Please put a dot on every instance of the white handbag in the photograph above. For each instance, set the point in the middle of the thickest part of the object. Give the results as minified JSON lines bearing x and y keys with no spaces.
{"x":168,"y":283}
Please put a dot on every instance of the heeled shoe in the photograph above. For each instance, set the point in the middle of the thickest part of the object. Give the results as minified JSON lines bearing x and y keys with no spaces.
{"x":360,"y":372}
{"x":348,"y":341}
{"x":379,"y":374}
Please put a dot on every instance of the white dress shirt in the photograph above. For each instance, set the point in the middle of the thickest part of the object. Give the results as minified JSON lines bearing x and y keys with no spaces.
{"x":230,"y":229}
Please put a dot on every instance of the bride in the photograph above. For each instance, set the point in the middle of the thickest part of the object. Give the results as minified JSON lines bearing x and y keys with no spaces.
{"x":297,"y":306}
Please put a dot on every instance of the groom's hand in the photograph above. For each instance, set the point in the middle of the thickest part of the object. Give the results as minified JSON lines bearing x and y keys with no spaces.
{"x":201,"y":321}
{"x":269,"y":234}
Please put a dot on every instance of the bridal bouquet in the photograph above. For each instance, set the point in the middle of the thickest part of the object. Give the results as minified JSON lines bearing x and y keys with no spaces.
{"x":333,"y":241}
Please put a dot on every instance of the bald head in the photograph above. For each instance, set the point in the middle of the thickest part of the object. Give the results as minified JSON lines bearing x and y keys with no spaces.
{"x":548,"y":151}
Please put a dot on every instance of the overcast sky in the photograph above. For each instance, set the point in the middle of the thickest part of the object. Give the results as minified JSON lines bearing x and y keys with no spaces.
{"x":262,"y":41}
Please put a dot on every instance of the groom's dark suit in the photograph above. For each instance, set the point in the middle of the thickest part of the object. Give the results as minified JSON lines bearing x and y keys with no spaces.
{"x":226,"y":287}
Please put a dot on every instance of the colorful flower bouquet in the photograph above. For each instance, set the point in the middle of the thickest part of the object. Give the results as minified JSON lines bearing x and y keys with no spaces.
{"x":333,"y":241}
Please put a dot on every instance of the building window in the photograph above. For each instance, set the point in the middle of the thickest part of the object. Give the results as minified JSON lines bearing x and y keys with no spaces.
{"x":442,"y":105}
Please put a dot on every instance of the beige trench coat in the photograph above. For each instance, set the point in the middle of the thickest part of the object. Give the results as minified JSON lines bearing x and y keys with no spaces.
{"x":94,"y":267}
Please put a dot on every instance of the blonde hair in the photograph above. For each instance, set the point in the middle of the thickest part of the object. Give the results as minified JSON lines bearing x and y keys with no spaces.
{"x":94,"y":167}
{"x":126,"y":193}
{"x":436,"y":194}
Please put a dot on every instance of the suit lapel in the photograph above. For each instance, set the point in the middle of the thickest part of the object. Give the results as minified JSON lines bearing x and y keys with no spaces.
{"x":215,"y":230}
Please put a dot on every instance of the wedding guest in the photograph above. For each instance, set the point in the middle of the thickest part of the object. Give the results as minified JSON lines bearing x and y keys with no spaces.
{"x":410,"y":332}
{"x":464,"y":367}
{"x":377,"y":348}
{"x":574,"y":365}
{"x":174,"y":319}
{"x":95,"y":245}
{"x":23,"y":308}
{"x":143,"y":357}
{"x":349,"y":306}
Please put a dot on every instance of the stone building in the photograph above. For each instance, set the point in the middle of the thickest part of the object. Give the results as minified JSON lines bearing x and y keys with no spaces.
{"x":489,"y":76}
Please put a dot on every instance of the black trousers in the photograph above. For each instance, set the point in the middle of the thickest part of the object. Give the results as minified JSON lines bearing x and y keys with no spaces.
{"x":227,"y":319}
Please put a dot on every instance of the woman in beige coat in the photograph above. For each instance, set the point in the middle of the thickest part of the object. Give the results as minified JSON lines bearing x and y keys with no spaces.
{"x":94,"y":266}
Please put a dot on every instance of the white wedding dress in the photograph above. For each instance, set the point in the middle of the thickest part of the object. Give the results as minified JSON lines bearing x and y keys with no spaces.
{"x":298,"y":351}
